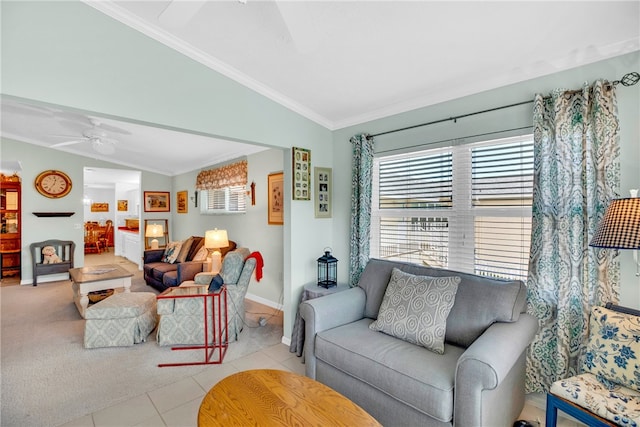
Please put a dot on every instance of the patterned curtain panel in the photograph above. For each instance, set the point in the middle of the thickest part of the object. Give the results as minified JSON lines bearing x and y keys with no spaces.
{"x":225,"y":176}
{"x":360,"y":205}
{"x":576,"y":174}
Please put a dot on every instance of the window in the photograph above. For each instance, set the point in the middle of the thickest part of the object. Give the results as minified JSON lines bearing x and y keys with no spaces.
{"x":465,"y":207}
{"x":225,"y":200}
{"x":222,"y":190}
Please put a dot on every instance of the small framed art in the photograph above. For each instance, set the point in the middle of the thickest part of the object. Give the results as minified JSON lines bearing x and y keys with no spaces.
{"x":301,"y":174}
{"x":181,"y":201}
{"x":123,"y":205}
{"x":99,"y":207}
{"x":322,"y":192}
{"x":275,"y":187}
{"x":156,"y":201}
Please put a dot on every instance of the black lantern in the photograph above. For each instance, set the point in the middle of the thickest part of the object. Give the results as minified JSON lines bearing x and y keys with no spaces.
{"x":327,"y":270}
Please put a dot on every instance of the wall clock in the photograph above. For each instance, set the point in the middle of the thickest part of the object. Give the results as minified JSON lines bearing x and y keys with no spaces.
{"x":53,"y":184}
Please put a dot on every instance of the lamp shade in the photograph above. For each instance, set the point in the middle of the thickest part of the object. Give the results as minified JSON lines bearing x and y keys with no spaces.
{"x":620,"y":227}
{"x":154,"y":230}
{"x":216,"y":239}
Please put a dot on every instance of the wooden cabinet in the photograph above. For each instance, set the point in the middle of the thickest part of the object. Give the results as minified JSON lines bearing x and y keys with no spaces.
{"x":10,"y":226}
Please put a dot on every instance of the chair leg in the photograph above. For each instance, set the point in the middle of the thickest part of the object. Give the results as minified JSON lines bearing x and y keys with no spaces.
{"x":554,"y":403}
{"x":552,"y":411}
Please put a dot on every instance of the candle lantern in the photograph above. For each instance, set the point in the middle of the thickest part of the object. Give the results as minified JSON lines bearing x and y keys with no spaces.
{"x":327,"y":270}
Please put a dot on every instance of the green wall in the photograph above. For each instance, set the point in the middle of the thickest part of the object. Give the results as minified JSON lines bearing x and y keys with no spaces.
{"x":511,"y":118}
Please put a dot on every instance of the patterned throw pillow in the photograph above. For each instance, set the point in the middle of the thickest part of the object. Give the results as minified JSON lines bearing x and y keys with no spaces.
{"x":415,"y":309}
{"x":171,"y":252}
{"x":613,"y":350}
{"x":201,"y":255}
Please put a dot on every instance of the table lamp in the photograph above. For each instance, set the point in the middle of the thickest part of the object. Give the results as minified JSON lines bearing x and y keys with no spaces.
{"x":154,"y":230}
{"x":620,"y":227}
{"x":213,"y":241}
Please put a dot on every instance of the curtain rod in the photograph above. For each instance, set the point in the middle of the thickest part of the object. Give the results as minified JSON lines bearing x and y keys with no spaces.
{"x":628,"y":79}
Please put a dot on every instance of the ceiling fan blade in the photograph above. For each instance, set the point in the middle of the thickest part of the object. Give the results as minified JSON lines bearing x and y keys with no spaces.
{"x":62,"y":144}
{"x":180,"y":12}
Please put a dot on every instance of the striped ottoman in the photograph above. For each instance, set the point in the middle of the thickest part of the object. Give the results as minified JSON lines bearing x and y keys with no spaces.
{"x":123,"y":319}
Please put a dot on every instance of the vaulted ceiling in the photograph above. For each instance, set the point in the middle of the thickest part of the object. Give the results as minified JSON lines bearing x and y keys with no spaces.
{"x":340,"y":63}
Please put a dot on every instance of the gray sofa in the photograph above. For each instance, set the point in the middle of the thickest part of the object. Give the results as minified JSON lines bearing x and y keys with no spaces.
{"x":477,"y":381}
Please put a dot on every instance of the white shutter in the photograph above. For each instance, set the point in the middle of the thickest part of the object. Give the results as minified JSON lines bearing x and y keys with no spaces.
{"x":466,"y":207}
{"x":502,"y":191}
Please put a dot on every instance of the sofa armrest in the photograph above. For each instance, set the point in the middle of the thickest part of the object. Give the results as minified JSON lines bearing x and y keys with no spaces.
{"x":188,"y":270}
{"x":486,"y":363}
{"x":152,"y":255}
{"x":327,"y":312}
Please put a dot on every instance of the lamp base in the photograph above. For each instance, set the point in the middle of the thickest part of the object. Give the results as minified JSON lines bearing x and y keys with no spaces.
{"x":154,"y":244}
{"x":216,"y":262}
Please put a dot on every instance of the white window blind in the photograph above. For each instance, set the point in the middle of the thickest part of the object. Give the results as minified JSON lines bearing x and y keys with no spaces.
{"x":224,"y":200}
{"x":466,"y":207}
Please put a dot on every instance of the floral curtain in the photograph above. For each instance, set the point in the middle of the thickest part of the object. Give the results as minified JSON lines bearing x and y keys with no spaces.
{"x":230,"y":175}
{"x":576,"y":174}
{"x":361,"y":177}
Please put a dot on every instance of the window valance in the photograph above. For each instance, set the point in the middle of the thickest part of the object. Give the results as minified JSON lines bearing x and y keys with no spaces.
{"x":230,"y":175}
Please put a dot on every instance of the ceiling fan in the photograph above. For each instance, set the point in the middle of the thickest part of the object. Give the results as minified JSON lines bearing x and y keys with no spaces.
{"x":99,"y":139}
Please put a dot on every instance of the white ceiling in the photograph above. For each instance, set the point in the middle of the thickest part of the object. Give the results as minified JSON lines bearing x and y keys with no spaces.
{"x":341,"y":63}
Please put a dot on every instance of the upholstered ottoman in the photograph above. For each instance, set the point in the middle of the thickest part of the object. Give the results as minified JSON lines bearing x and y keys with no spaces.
{"x":123,"y":319}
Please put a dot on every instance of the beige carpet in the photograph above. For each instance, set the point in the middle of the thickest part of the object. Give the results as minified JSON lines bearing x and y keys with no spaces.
{"x":48,"y":378}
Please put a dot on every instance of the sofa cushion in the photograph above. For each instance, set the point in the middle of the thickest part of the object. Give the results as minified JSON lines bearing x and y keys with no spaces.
{"x":160,"y":268}
{"x":197,"y":243}
{"x":171,"y":252}
{"x":480,"y":301}
{"x":170,"y":278}
{"x":409,"y":373}
{"x":415,"y":309}
{"x":201,"y":255}
{"x":184,"y":250}
{"x":613,"y":348}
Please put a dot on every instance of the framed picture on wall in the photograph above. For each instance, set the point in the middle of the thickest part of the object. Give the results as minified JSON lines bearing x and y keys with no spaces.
{"x":99,"y":207}
{"x":181,"y":201}
{"x":123,"y":205}
{"x":322,"y":192}
{"x":301,"y":174}
{"x":156,"y":201}
{"x":275,"y":196}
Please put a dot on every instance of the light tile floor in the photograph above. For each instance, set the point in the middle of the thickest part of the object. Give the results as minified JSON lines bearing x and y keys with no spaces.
{"x":177,"y":404}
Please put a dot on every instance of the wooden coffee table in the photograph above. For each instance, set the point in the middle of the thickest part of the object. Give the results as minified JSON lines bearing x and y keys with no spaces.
{"x":268,"y":397}
{"x":97,"y":278}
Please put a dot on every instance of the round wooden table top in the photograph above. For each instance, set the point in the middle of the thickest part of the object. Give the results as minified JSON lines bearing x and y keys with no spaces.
{"x":269,"y":397}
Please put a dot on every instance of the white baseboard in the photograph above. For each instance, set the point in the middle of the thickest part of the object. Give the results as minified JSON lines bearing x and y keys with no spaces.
{"x":264,"y":301}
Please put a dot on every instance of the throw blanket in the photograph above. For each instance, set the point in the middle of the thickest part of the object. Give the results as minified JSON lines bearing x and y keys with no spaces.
{"x":259,"y":264}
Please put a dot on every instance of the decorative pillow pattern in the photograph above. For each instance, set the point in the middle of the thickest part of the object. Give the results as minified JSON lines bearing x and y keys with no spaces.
{"x":171,"y":252}
{"x":201,"y":255}
{"x":613,"y":350}
{"x":415,"y":309}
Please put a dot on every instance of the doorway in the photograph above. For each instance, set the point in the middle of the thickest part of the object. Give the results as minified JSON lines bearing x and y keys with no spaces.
{"x":112,"y":197}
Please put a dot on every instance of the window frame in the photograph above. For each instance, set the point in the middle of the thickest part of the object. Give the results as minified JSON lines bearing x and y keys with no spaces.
{"x":238,"y":190}
{"x":462,"y":216}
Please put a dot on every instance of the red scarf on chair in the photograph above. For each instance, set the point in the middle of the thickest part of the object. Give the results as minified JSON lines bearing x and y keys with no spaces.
{"x":259,"y":264}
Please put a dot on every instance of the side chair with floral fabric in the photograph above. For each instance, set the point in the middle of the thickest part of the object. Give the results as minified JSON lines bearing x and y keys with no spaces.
{"x":607,"y":392}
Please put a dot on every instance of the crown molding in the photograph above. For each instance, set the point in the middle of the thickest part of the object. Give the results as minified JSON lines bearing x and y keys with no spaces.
{"x":121,"y":15}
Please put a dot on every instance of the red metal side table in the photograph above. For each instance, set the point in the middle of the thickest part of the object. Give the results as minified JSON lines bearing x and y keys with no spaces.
{"x":220,"y":330}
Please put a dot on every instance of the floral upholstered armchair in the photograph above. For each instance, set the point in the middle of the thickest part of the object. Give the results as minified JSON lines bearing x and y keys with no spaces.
{"x":181,"y":320}
{"x":607,"y":392}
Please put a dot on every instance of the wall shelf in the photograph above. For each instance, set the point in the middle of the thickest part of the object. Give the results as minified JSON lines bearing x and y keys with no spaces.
{"x":52,"y":214}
